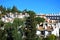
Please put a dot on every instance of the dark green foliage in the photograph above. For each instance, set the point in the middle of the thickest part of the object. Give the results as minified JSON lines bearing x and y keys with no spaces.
{"x":14,"y":9}
{"x":31,"y":26}
{"x":8,"y":10}
{"x":1,"y":23}
{"x":19,"y":11}
{"x":51,"y":37}
{"x":38,"y":38}
{"x":1,"y":8}
{"x":39,"y":20}
{"x":17,"y":22}
{"x":4,"y":11}
{"x":2,"y":32}
{"x":16,"y":33}
{"x":24,"y":11}
{"x":8,"y":25}
{"x":2,"y":35}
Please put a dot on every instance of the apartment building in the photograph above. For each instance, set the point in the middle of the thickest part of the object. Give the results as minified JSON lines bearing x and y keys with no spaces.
{"x":54,"y":17}
{"x":50,"y":26}
{"x":9,"y":17}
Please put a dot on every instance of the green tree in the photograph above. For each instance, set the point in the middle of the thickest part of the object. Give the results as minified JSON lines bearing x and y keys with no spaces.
{"x":17,"y":22}
{"x":14,"y":9}
{"x":19,"y":11}
{"x":9,"y":30}
{"x":8,"y":10}
{"x":7,"y":25}
{"x":4,"y":11}
{"x":2,"y":35}
{"x":1,"y":23}
{"x":17,"y":33}
{"x":51,"y":37}
{"x":1,"y":8}
{"x":2,"y":31}
{"x":39,"y":20}
{"x":24,"y":11}
{"x":31,"y":26}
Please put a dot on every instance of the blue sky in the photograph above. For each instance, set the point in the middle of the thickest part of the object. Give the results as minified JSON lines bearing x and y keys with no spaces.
{"x":39,"y":6}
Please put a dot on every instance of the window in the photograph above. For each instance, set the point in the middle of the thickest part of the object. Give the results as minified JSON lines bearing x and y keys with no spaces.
{"x":42,"y":32}
{"x":57,"y":17}
{"x":52,"y":17}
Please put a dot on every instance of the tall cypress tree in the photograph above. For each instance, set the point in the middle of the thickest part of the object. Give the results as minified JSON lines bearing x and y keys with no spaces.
{"x":30,"y":29}
{"x":4,"y":10}
{"x":9,"y":10}
{"x":1,"y":8}
{"x":14,"y":9}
